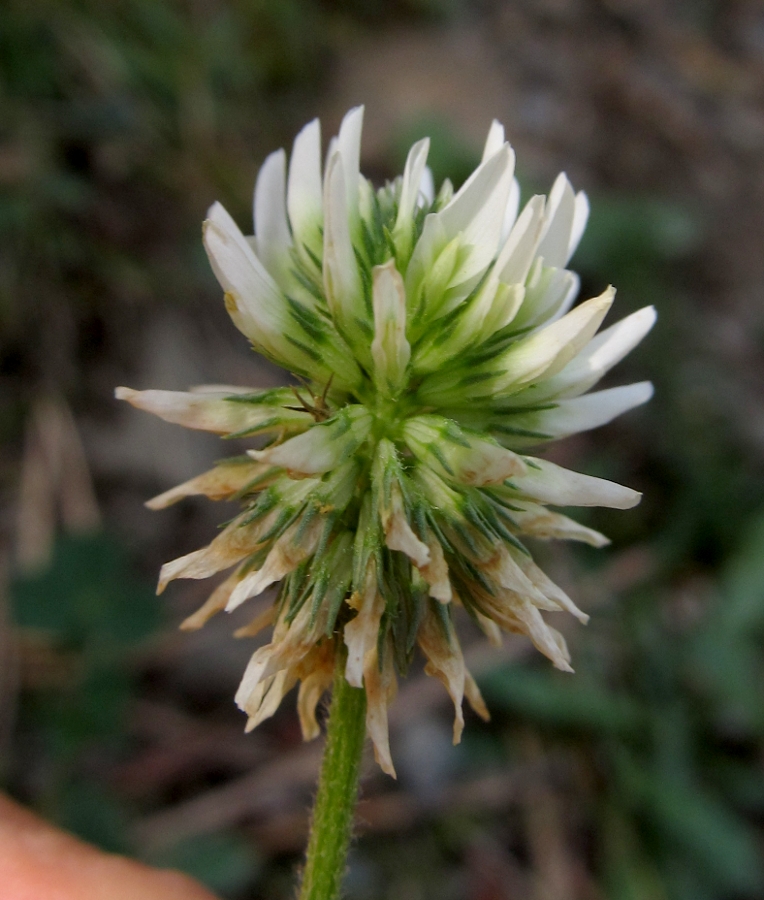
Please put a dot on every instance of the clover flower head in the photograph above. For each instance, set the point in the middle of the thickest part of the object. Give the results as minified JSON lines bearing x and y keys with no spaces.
{"x":436,"y":341}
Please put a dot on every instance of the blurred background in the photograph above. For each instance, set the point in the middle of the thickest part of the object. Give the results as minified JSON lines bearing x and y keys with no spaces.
{"x":642,"y":777}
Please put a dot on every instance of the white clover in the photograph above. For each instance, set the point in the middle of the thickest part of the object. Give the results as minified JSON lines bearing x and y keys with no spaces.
{"x":436,"y":340}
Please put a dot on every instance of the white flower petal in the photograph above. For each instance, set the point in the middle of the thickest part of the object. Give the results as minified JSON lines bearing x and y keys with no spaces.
{"x":305,"y":189}
{"x":349,"y":148}
{"x":587,"y":412}
{"x":271,"y":227}
{"x":475,"y":216}
{"x":561,"y":210}
{"x":580,"y":218}
{"x":390,"y":350}
{"x":547,"y":351}
{"x":510,"y":213}
{"x":253,"y":299}
{"x":208,"y":411}
{"x":547,"y":297}
{"x":495,"y":140}
{"x":342,"y":281}
{"x":410,"y":197}
{"x":517,"y":253}
{"x":597,"y":358}
{"x":550,"y":483}
{"x":426,"y":188}
{"x":323,"y":446}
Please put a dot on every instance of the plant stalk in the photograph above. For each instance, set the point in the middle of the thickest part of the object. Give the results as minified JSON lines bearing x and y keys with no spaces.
{"x":332,"y":819}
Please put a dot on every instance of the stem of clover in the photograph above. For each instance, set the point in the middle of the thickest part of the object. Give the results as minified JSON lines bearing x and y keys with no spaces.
{"x":332,"y":819}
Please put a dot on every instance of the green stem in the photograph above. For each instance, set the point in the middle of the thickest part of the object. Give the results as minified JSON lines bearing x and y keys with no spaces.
{"x":333,"y":810}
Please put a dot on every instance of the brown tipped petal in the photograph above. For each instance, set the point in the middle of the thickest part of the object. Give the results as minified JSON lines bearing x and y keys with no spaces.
{"x":475,"y":698}
{"x":380,"y":686}
{"x":219,"y":483}
{"x":445,"y":662}
{"x":216,"y":602}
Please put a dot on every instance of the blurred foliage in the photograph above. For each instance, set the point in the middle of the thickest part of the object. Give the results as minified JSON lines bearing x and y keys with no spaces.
{"x":88,"y":614}
{"x":673,"y":727}
{"x":119,"y":123}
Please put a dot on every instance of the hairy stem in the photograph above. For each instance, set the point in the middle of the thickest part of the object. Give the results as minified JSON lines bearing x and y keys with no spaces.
{"x":332,"y":818}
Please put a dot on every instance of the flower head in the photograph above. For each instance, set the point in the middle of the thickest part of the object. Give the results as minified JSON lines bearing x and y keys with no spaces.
{"x":436,"y":341}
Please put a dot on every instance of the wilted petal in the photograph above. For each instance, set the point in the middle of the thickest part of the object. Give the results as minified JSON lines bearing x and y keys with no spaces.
{"x":548,"y":588}
{"x":295,"y":545}
{"x":290,"y":644}
{"x":545,"y":638}
{"x":510,"y":571}
{"x":316,"y":676}
{"x":518,"y":614}
{"x":540,"y":522}
{"x":362,"y":632}
{"x":266,"y":697}
{"x":474,"y":697}
{"x":444,"y":661}
{"x":220,"y":483}
{"x":398,"y":533}
{"x":435,"y":572}
{"x":214,"y":604}
{"x":380,"y":685}
{"x":262,"y":620}
{"x":230,"y":546}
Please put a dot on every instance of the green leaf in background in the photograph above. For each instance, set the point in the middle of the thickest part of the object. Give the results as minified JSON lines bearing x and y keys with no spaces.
{"x":224,"y":861}
{"x":560,"y":701}
{"x":88,"y":597}
{"x":95,"y":814}
{"x":717,"y":842}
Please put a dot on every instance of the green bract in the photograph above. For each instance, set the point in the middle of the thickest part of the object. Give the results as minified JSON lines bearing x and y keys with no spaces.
{"x":435,"y":341}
